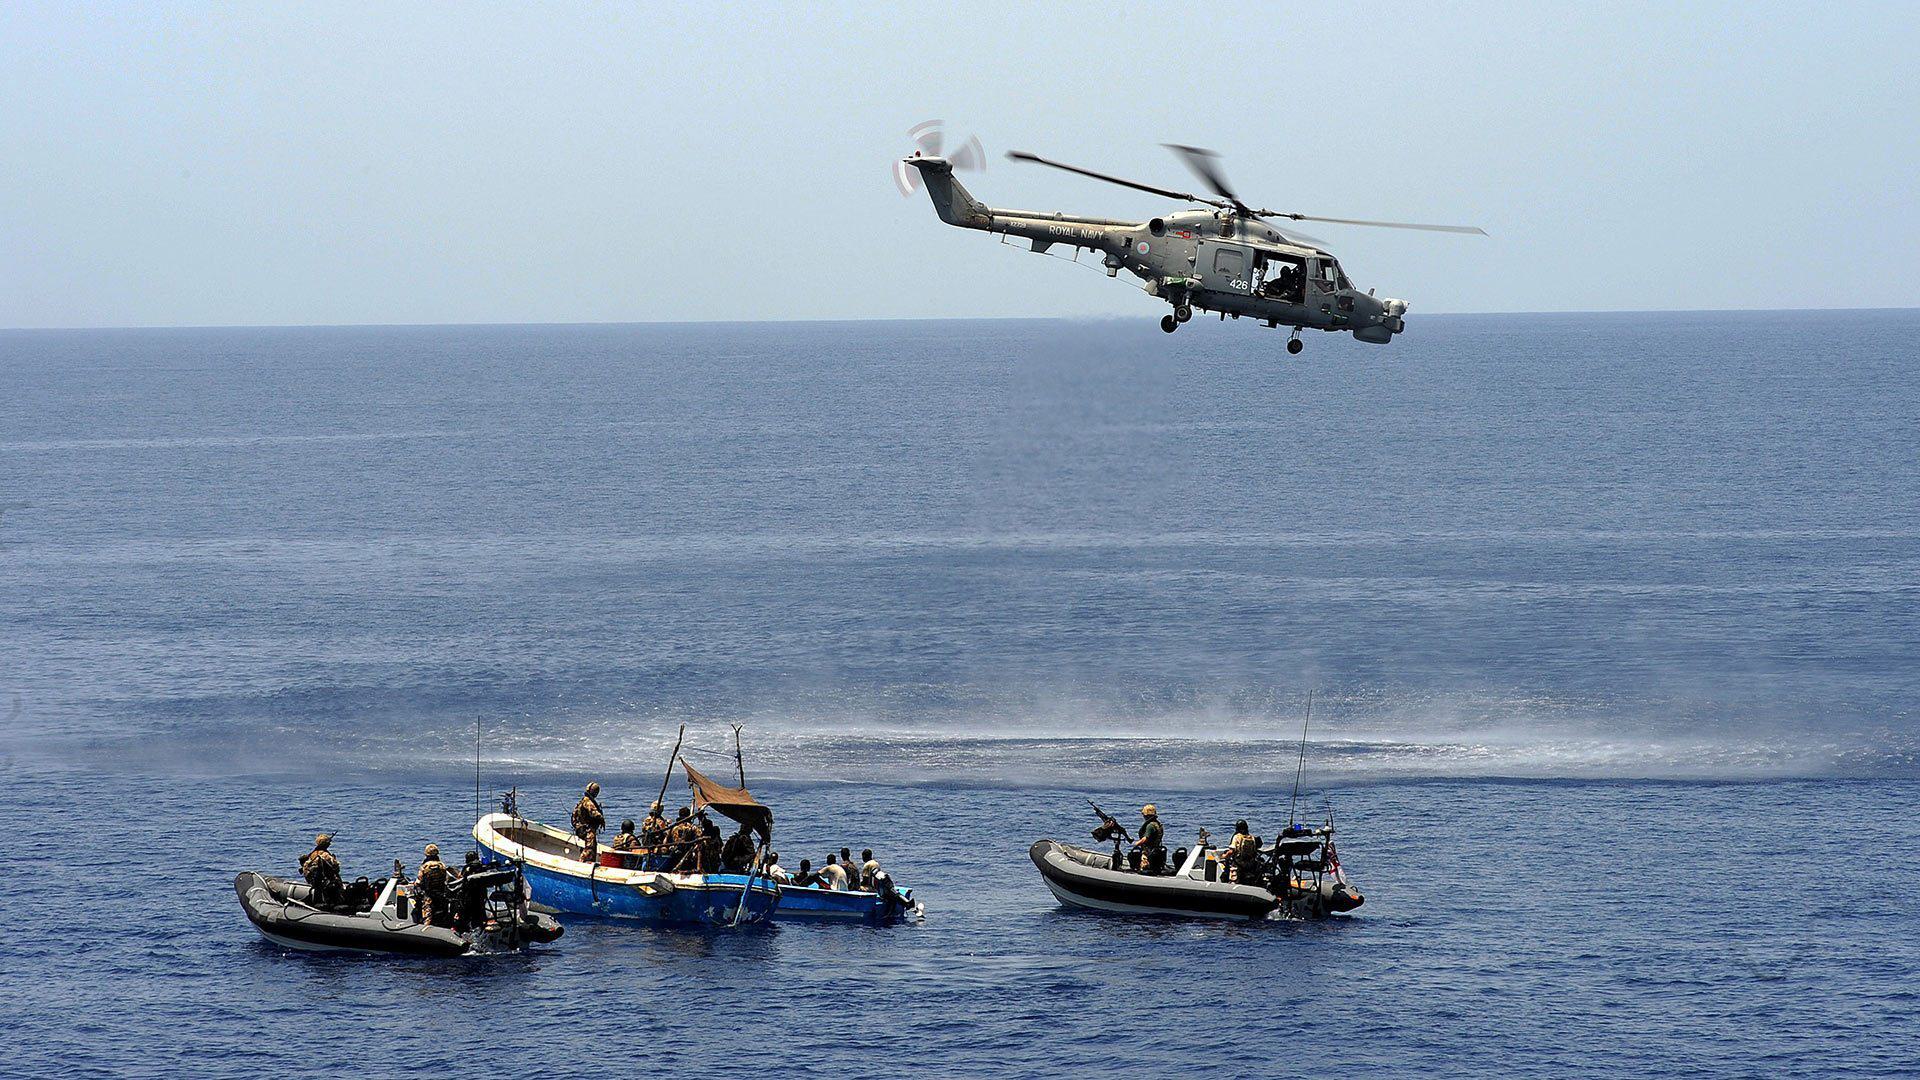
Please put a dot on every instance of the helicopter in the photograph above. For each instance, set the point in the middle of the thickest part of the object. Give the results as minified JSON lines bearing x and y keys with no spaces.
{"x":1231,"y":259}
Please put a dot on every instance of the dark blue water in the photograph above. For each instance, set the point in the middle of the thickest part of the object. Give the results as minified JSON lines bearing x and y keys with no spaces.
{"x":1613,"y":623}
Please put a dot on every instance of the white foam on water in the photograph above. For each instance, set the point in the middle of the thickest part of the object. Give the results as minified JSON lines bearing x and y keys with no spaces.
{"x":1179,"y":752}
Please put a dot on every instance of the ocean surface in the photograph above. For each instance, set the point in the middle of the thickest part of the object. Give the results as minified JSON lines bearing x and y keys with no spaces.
{"x":1612,"y":625}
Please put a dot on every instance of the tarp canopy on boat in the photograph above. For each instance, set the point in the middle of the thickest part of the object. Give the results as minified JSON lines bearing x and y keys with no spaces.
{"x":735,"y":802}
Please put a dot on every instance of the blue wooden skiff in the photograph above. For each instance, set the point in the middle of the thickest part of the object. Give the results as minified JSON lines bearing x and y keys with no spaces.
{"x":814,"y":902}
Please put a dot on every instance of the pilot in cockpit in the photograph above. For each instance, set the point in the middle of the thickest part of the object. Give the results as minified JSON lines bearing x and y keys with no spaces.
{"x":1284,"y":284}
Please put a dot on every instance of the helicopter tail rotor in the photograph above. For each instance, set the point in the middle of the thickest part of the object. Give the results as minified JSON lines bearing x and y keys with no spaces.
{"x":969,"y":156}
{"x":929,"y":138}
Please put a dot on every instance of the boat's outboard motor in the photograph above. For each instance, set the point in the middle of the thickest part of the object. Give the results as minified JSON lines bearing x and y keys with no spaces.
{"x":889,"y":899}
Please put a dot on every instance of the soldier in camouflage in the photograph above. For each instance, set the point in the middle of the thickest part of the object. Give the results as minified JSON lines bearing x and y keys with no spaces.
{"x":322,"y":872}
{"x":1243,"y":855}
{"x":430,"y":889}
{"x":626,"y":841}
{"x":653,"y":830}
{"x":588,"y":821}
{"x":683,"y":840}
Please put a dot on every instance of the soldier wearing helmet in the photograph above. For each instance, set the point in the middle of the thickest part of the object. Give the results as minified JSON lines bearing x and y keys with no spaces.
{"x":588,"y":820}
{"x":653,"y":828}
{"x":626,"y":841}
{"x":1150,"y":850}
{"x":322,"y":872}
{"x":683,"y":840}
{"x":430,"y":889}
{"x":1239,"y":857}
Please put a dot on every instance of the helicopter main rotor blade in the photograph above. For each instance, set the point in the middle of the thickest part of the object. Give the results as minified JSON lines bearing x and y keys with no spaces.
{"x":1471,"y":230}
{"x":1298,"y":238}
{"x":1022,"y":155}
{"x":1205,"y":165}
{"x":1202,"y":162}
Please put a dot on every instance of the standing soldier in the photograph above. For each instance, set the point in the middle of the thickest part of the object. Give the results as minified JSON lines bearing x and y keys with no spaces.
{"x":431,"y":885}
{"x":1153,"y":852}
{"x":683,"y":840}
{"x":588,"y":821}
{"x":1236,"y":849}
{"x":653,"y":828}
{"x":322,"y":872}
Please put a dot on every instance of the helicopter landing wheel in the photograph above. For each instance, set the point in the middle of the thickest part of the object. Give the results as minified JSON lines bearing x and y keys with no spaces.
{"x":1183,"y":312}
{"x":1169,"y":324}
{"x":1294,"y":345}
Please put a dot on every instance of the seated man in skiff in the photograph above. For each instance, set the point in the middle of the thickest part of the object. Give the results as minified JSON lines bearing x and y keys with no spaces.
{"x":833,"y":875}
{"x":773,"y":871}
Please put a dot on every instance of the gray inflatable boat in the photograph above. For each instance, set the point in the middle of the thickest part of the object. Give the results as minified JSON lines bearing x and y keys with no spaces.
{"x":1095,"y":880}
{"x":491,"y":903}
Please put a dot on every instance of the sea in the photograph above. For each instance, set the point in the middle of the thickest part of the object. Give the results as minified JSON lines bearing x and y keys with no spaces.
{"x":1610,"y":625}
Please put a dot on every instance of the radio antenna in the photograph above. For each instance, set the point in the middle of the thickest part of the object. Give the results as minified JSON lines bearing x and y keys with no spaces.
{"x":476,"y":783}
{"x":1302,"y":763}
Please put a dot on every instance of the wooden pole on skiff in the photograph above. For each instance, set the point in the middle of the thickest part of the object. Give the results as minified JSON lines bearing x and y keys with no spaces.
{"x":671,"y":758}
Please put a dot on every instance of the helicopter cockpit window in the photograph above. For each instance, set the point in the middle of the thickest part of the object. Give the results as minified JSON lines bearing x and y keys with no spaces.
{"x":1329,"y":277}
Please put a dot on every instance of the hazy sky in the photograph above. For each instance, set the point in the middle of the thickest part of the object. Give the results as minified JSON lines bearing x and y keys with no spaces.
{"x":331,"y":163}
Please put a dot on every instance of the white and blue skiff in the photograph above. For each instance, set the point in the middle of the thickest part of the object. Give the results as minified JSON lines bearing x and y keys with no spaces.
{"x":562,"y":880}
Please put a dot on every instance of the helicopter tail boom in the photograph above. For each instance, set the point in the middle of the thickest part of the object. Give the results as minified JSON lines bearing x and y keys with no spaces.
{"x":951,"y":200}
{"x":957,"y":206}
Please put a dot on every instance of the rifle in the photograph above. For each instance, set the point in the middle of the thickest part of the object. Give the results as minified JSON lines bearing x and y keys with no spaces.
{"x":1109,"y":825}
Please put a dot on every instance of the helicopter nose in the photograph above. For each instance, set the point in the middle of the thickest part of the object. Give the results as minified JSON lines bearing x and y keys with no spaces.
{"x":1396,"y":308}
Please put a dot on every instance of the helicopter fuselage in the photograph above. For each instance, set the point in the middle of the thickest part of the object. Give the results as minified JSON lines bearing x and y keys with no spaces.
{"x":1213,"y":260}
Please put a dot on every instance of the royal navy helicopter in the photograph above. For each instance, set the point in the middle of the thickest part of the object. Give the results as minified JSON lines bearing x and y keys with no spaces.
{"x":1231,"y":259}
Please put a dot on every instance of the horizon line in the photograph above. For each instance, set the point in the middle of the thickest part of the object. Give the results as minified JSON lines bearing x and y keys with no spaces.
{"x":72,"y":328}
